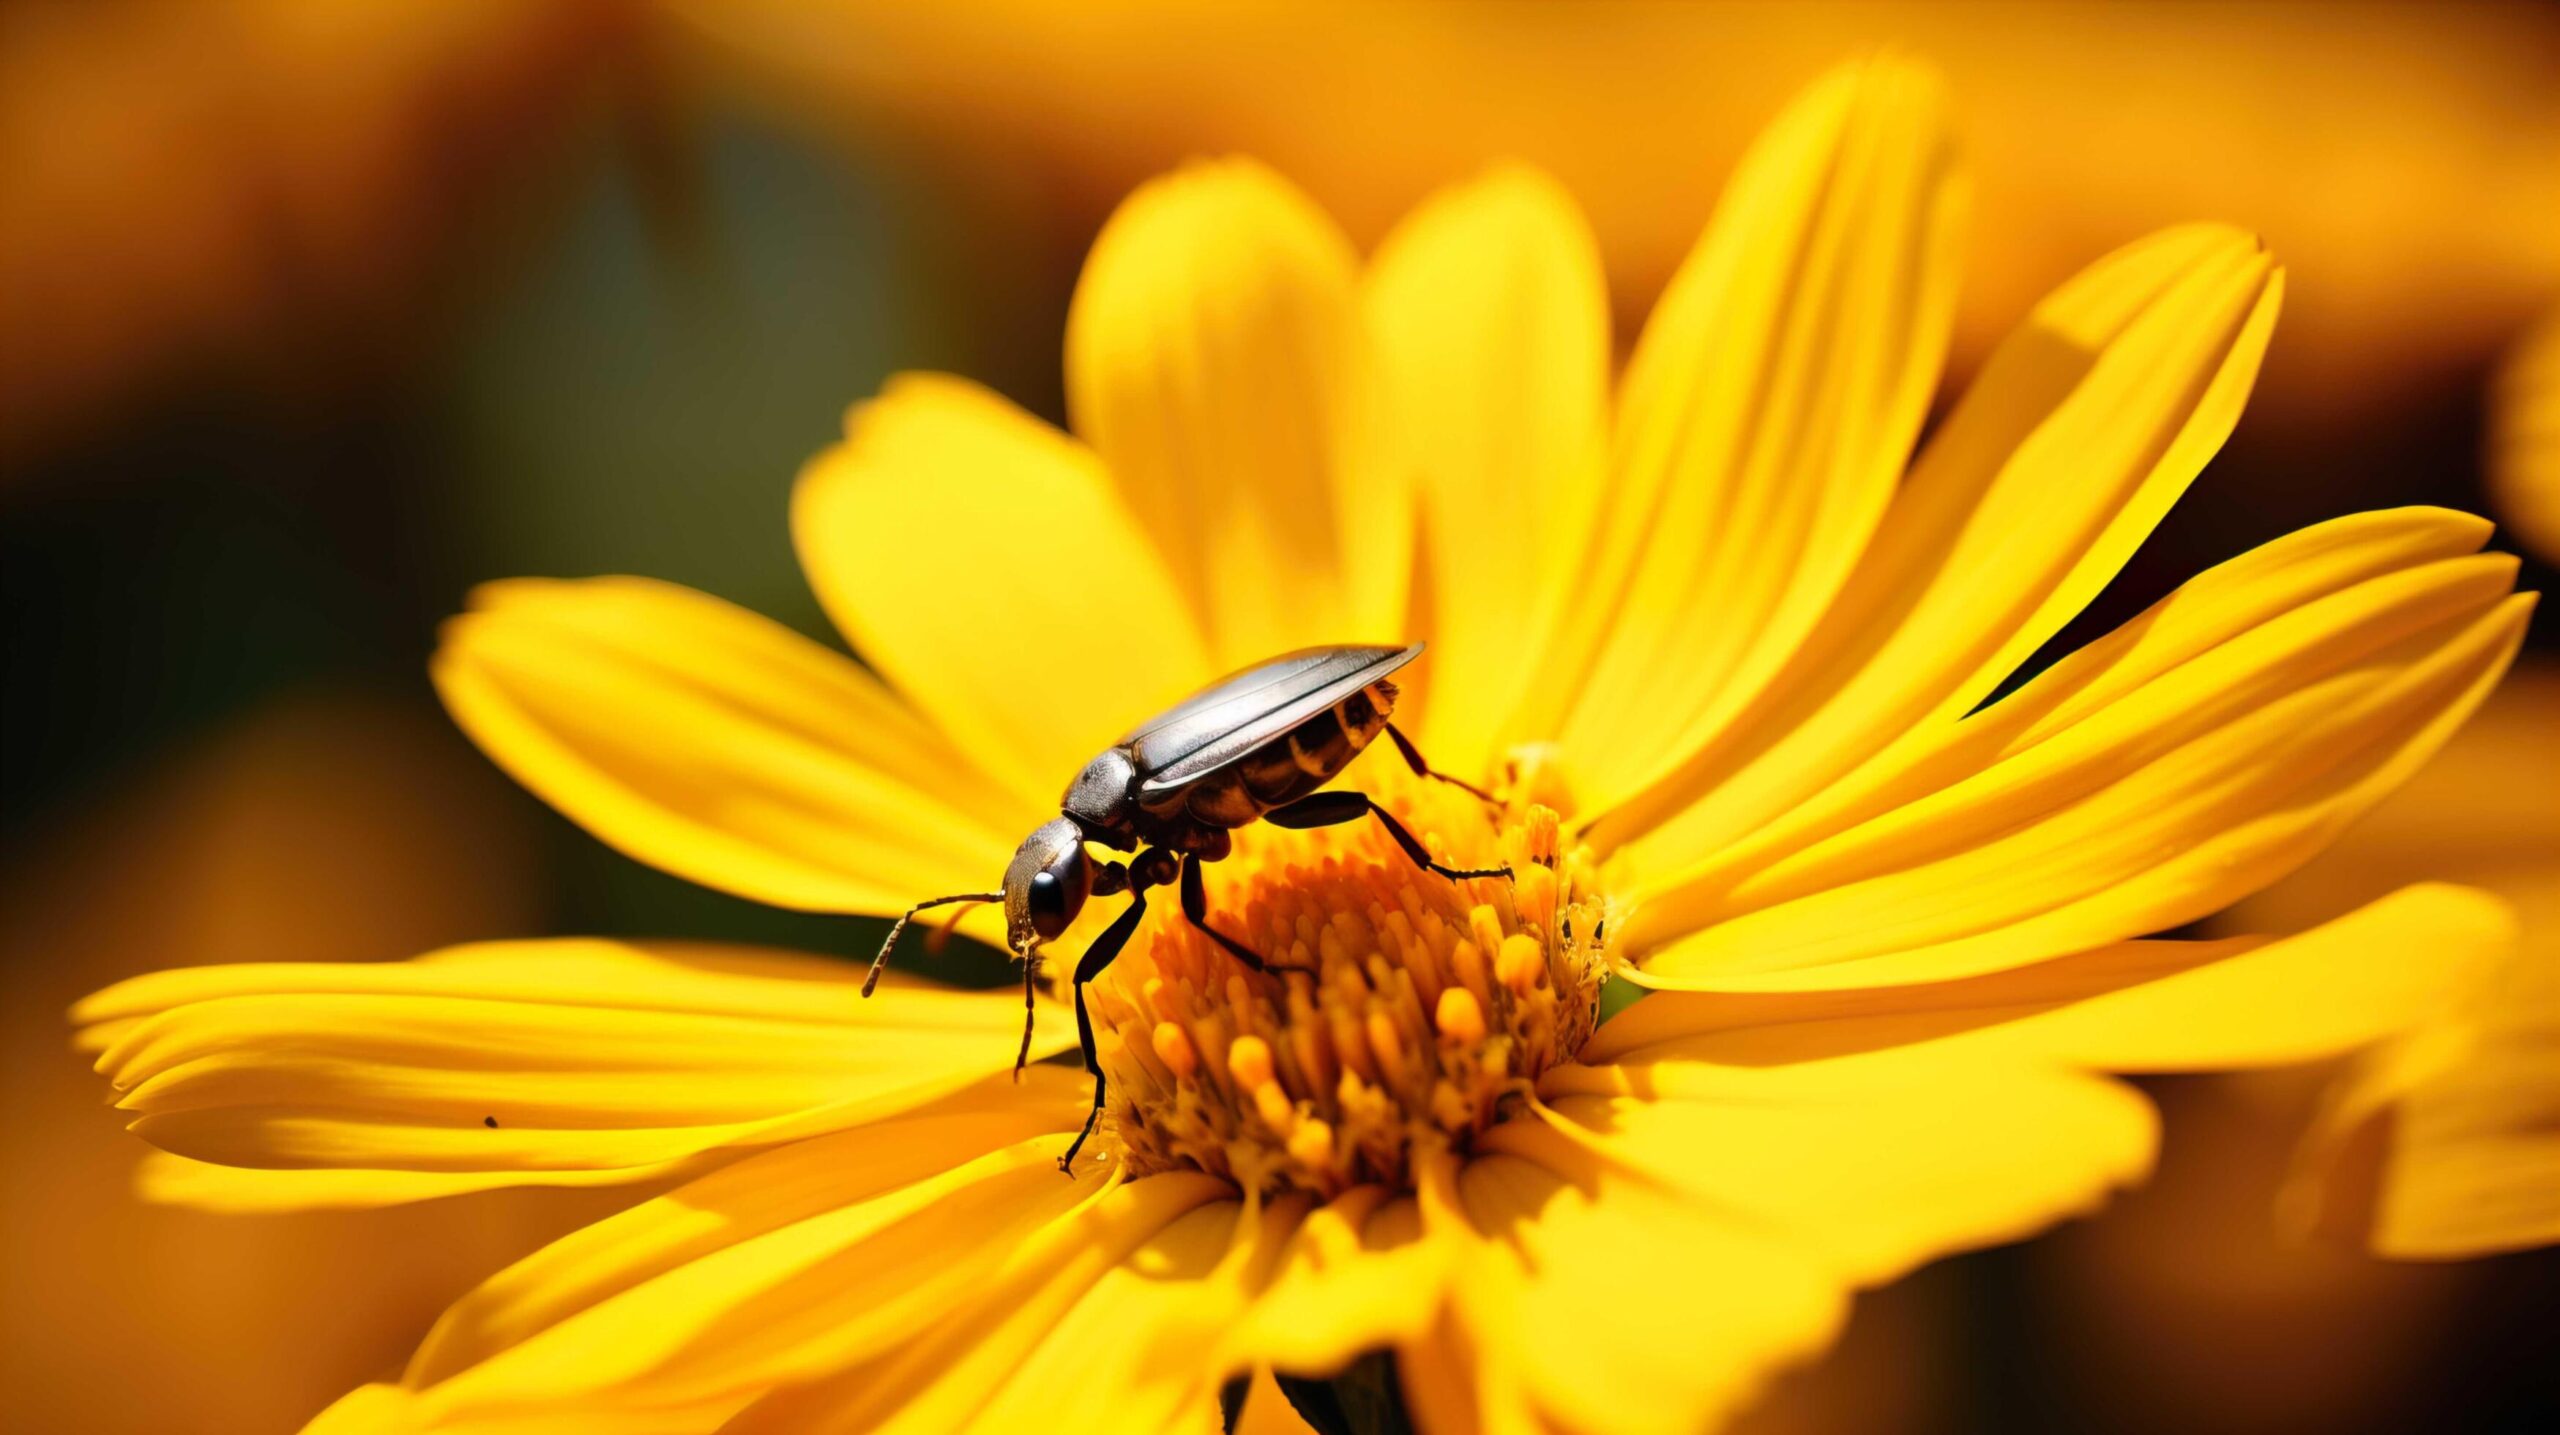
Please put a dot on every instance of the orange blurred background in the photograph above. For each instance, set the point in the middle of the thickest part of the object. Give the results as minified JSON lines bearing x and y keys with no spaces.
{"x":313,"y":314}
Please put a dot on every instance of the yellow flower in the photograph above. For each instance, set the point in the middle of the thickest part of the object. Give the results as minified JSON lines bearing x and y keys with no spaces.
{"x":2445,"y":1142}
{"x":1722,"y":643}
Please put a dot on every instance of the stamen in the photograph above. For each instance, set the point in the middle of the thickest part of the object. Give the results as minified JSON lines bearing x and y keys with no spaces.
{"x":1460,"y":1019}
{"x":1173,"y":1048}
{"x":1406,"y":1014}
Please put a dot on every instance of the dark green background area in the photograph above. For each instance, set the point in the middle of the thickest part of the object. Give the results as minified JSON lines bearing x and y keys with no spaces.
{"x":633,"y":393}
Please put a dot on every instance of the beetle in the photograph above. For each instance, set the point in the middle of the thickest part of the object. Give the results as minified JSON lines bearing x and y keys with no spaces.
{"x":1253,"y":746}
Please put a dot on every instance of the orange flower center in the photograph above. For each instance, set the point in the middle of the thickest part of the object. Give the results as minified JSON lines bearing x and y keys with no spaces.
{"x":1405,"y":1012}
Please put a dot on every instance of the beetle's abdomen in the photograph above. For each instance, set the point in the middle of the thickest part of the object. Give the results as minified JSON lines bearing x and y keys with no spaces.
{"x":1297,"y":762}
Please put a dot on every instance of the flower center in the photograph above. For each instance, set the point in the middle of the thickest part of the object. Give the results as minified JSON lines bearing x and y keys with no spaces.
{"x":1405,"y":1013}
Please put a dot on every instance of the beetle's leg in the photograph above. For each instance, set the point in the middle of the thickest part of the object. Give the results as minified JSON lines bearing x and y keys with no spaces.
{"x":898,"y":928}
{"x":1326,"y":809}
{"x":1030,"y":990}
{"x":1097,"y":957}
{"x":1413,"y":759}
{"x":1195,"y":907}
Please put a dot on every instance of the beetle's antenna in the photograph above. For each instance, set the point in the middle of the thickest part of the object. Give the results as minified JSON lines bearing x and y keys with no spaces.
{"x":898,"y":929}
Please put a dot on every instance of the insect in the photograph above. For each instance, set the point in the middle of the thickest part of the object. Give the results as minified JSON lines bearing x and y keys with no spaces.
{"x":1252,"y":747}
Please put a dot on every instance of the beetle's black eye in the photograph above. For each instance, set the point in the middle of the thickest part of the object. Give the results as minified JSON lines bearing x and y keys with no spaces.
{"x":1048,"y":901}
{"x":1057,"y":891}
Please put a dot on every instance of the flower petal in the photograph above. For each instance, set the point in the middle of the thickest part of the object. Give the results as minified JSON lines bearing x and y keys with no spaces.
{"x":1553,"y":1331}
{"x":1492,"y":325}
{"x":2446,"y":1144}
{"x":980,"y":560}
{"x":567,"y":1055}
{"x":2256,"y":589}
{"x":784,"y":1267}
{"x":791,"y":1186}
{"x":2075,"y":439}
{"x":1214,"y":360}
{"x":1879,"y":1165}
{"x":720,"y":746}
{"x":1136,"y":1352}
{"x":1765,"y":419}
{"x":172,"y":1180}
{"x":1167,"y":1254}
{"x":1863,"y":1133}
{"x":2185,"y":761}
{"x":2150,"y":1006}
{"x":1267,"y":1410}
{"x":1133,"y":1323}
{"x":1360,"y":1274}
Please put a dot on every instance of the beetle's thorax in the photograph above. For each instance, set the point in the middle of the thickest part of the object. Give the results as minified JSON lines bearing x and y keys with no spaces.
{"x":1104,"y":802}
{"x":1101,"y":800}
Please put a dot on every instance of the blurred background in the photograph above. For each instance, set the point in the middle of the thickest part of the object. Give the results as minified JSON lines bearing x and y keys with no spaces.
{"x":312,"y":315}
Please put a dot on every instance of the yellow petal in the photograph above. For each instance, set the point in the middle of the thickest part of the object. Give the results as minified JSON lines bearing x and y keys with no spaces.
{"x":2258,"y":588}
{"x":1864,"y":1132}
{"x":1267,"y":1410}
{"x":1765,"y":418}
{"x":568,"y":1055}
{"x":2137,"y":1006}
{"x":782,"y":1268}
{"x":366,"y":1410}
{"x":2447,"y":1142}
{"x":1492,"y":328}
{"x":791,"y":1187}
{"x":1359,"y":1275}
{"x":2173,"y":768}
{"x":2446,"y":1145}
{"x":1440,"y":1373}
{"x":980,"y":560}
{"x":1215,"y":361}
{"x":2524,"y":444}
{"x":1170,"y":1252}
{"x":254,"y":1191}
{"x":2077,"y":436}
{"x":1136,"y":1353}
{"x":1595,"y":1300}
{"x":1892,"y":1162}
{"x":2478,"y":813}
{"x":710,"y":742}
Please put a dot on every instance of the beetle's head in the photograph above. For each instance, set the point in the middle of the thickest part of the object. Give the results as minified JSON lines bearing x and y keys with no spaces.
{"x":1046,"y":884}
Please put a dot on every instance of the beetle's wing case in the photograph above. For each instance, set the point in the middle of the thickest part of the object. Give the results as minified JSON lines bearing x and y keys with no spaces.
{"x":1238,"y":713}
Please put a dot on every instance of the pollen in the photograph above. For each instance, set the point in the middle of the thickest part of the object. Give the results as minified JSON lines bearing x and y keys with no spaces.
{"x":1403,"y":1013}
{"x":1460,"y":1018}
{"x":1173,"y":1048}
